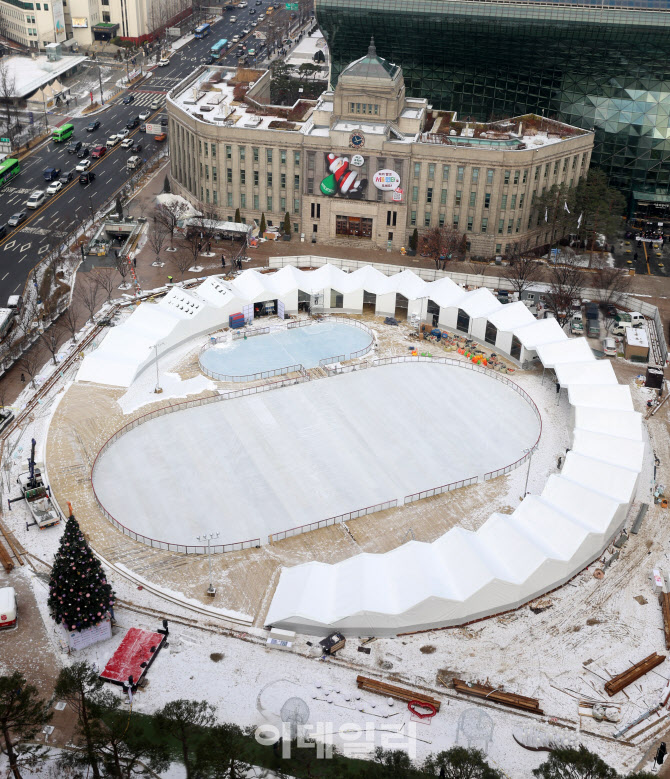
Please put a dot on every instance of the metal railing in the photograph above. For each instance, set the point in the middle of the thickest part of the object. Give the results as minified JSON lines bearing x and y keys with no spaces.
{"x":454,"y":485}
{"x":336,"y":520}
{"x":162,"y":411}
{"x":297,"y":368}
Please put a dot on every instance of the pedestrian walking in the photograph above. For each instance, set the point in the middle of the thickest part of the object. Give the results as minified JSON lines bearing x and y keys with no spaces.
{"x":134,"y":262}
{"x":23,"y":379}
{"x":223,"y":261}
{"x":635,"y":257}
{"x":170,"y":279}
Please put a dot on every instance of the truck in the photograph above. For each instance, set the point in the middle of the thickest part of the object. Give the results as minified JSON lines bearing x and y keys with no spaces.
{"x":592,"y":319}
{"x":577,"y":324}
{"x":36,"y":495}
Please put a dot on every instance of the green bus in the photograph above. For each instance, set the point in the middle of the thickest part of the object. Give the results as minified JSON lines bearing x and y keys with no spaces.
{"x":8,"y":169}
{"x":62,"y":133}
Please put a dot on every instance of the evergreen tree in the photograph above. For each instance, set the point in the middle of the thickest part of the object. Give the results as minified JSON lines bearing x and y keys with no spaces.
{"x":22,"y":715}
{"x":185,"y":720}
{"x":166,"y":184}
{"x":287,"y":224}
{"x":79,"y":595}
{"x":460,"y":763}
{"x":263,"y":225}
{"x":574,"y":764}
{"x":414,"y":240}
{"x":238,"y":217}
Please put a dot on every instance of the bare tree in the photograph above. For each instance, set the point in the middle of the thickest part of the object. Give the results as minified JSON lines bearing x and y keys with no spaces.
{"x":88,"y":294}
{"x":169,"y":214}
{"x":7,"y":93}
{"x":441,"y":244}
{"x":30,"y":362}
{"x":105,"y":278}
{"x":613,"y":283}
{"x":523,"y":269}
{"x":157,"y":236}
{"x":182,"y":261}
{"x":566,"y":281}
{"x":70,"y":321}
{"x":53,"y":338}
{"x":123,"y":267}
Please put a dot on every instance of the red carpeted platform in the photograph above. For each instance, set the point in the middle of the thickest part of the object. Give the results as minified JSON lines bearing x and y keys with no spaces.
{"x":133,"y":656}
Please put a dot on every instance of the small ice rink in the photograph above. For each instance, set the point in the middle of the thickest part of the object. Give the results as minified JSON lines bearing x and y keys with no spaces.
{"x":269,"y":462}
{"x":298,"y":346}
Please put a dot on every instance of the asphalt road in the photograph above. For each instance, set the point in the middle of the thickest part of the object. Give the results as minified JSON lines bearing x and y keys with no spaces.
{"x":21,"y":248}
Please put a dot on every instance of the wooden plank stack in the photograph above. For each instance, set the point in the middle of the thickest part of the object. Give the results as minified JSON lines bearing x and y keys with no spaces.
{"x":498,"y":696}
{"x":664,"y":600}
{"x":622,"y":680}
{"x":5,"y":559}
{"x":399,"y":693}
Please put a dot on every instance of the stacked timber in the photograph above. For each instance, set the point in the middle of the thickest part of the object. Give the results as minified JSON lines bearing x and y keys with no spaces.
{"x":498,"y":696}
{"x":622,"y":680}
{"x":399,"y":693}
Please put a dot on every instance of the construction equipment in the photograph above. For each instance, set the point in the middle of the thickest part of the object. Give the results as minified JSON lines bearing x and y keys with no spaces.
{"x":37,"y":495}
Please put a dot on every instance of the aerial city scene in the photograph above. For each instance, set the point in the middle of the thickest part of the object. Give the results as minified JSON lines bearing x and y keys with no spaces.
{"x":333,"y":427}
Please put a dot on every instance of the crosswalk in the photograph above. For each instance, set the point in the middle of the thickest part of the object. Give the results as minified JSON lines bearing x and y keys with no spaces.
{"x":146,"y":98}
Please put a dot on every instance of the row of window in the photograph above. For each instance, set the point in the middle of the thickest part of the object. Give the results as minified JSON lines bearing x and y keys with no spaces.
{"x":268,"y":203}
{"x":512,"y":225}
{"x":269,"y":178}
{"x":209,"y":150}
{"x":458,"y":199}
{"x":509,"y":176}
{"x":371,"y":109}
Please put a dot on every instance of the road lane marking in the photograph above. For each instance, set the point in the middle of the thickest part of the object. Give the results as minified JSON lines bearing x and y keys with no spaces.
{"x":5,"y":276}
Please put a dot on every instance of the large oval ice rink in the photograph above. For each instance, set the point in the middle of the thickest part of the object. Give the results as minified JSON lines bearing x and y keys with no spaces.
{"x":269,"y":462}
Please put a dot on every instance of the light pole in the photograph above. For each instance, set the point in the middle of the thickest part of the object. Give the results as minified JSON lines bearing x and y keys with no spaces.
{"x":157,"y":389}
{"x":529,"y":452}
{"x":208,"y":537}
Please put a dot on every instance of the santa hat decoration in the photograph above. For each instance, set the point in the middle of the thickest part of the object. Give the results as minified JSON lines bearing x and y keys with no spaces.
{"x":345,"y":178}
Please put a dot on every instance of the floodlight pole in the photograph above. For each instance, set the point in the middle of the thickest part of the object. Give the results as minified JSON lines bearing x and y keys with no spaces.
{"x":529,"y":452}
{"x":211,"y":590}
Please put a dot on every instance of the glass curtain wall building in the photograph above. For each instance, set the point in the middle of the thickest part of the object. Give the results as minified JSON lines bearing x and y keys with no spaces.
{"x":597,"y":64}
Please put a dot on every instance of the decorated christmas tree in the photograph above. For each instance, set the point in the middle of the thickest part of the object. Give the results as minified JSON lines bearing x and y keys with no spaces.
{"x":79,"y":595}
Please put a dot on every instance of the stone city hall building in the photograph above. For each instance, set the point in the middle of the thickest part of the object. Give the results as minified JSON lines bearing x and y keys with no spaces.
{"x":365,"y":163}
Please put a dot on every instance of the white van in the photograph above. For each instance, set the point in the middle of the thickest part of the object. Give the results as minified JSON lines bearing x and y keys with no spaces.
{"x":636,"y":319}
{"x":609,"y":347}
{"x":8,"y":611}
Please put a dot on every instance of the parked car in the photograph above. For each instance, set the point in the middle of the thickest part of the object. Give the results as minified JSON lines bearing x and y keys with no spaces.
{"x":73,"y":147}
{"x":129,"y":98}
{"x":163,"y":61}
{"x":93,"y":126}
{"x":36,"y":199}
{"x":136,"y":148}
{"x":83,"y":153}
{"x":51,"y":174}
{"x":98,"y":151}
{"x":83,"y":165}
{"x":144,"y":116}
{"x":112,"y":141}
{"x":609,"y":347}
{"x":54,"y":187}
{"x":611,"y":311}
{"x":127,"y":143}
{"x":87,"y":177}
{"x":160,"y":137}
{"x":16,"y":219}
{"x":131,"y":124}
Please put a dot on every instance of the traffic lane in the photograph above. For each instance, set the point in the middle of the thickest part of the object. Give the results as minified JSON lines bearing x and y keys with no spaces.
{"x":21,"y":249}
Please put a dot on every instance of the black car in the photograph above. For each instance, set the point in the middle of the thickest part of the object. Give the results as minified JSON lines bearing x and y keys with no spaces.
{"x":611,"y":311}
{"x":143,"y":128}
{"x":131,"y":124}
{"x":73,"y":147}
{"x":92,"y":126}
{"x":252,"y":11}
{"x":68,"y":176}
{"x":83,"y":152}
{"x":164,"y":121}
{"x":3,"y":231}
{"x":86,"y":177}
{"x":136,"y":148}
{"x":128,"y":99}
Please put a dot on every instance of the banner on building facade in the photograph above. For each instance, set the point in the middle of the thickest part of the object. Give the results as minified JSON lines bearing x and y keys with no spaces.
{"x":59,"y":20}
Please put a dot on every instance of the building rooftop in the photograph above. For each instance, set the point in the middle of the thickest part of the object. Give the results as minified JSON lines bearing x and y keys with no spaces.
{"x":31,"y":73}
{"x":371,"y":66}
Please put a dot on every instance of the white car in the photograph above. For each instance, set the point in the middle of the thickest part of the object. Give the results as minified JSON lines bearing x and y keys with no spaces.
{"x":112,"y":141}
{"x":54,"y":187}
{"x":36,"y":199}
{"x":162,"y":62}
{"x":83,"y":166}
{"x":245,"y":31}
{"x":235,"y":38}
{"x":123,"y":133}
{"x":127,"y":143}
{"x":144,"y":116}
{"x":242,"y":5}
